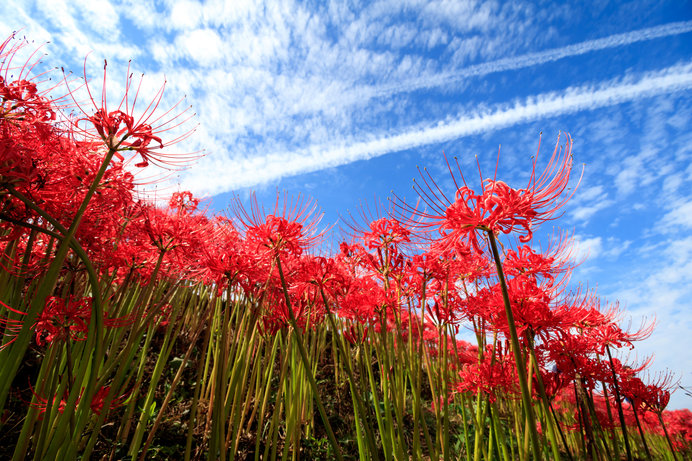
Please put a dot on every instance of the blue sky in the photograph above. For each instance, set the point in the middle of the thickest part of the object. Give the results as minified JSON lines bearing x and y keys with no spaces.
{"x":342,"y":101}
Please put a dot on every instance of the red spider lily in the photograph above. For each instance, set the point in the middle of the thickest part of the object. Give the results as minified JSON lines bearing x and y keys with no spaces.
{"x":222,"y":255}
{"x":123,"y":130}
{"x":278,"y":234}
{"x":658,"y":392}
{"x":21,"y":99}
{"x":317,"y":274}
{"x":99,"y":399}
{"x":631,"y":386}
{"x":445,"y":309}
{"x":168,"y":229}
{"x":27,"y":115}
{"x":353,"y":336}
{"x":679,"y":423}
{"x":497,"y":208}
{"x":388,"y":236}
{"x":566,"y":402}
{"x":65,"y":184}
{"x":461,"y":352}
{"x":547,"y":265}
{"x":575,"y":355}
{"x":96,"y":405}
{"x":164,"y":315}
{"x":604,"y":328}
{"x":289,"y":229}
{"x":382,"y":264}
{"x":495,"y":375}
{"x":183,"y":202}
{"x":654,"y":397}
{"x":62,"y":319}
{"x":385,"y":232}
{"x":377,"y":226}
{"x":227,"y":259}
{"x":360,"y":301}
{"x":429,"y":334}
{"x":356,"y":258}
{"x":553,"y":382}
{"x":43,"y":404}
{"x":11,"y":327}
{"x":59,"y":320}
{"x":276,"y":316}
{"x":540,"y":309}
{"x":29,"y":261}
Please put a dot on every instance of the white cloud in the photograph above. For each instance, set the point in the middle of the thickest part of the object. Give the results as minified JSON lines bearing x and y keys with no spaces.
{"x":476,"y":15}
{"x":584,"y":213}
{"x":679,"y":218}
{"x":203,"y":46}
{"x":280,"y":72}
{"x":532,"y":59}
{"x":185,"y":14}
{"x":271,"y":166}
{"x":143,"y":13}
{"x":586,"y":248}
{"x":588,"y":201}
{"x":614,"y":247}
{"x":99,"y":15}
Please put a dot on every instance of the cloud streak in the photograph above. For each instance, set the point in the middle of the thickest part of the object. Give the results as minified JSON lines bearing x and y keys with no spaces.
{"x":262,"y":169}
{"x":530,"y":59}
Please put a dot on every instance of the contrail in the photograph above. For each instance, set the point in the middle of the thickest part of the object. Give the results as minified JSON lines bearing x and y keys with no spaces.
{"x":261,"y":169}
{"x":529,"y":60}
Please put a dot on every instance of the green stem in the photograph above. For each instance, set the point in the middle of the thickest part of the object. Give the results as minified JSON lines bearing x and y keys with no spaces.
{"x":621,"y":414}
{"x":306,"y":365}
{"x":516,"y":349}
{"x":176,"y":379}
{"x":641,"y":432}
{"x":665,"y":431}
{"x":562,"y":435}
{"x":355,"y":391}
{"x":546,"y":405}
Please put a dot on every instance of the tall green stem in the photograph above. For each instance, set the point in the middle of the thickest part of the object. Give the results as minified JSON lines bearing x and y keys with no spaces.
{"x":516,"y":349}
{"x":621,"y":414}
{"x":306,"y":364}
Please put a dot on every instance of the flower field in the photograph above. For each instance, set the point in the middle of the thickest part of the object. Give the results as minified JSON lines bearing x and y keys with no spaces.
{"x":138,"y":330}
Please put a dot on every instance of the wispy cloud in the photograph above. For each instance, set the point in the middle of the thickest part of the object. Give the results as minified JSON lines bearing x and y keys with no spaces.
{"x":586,"y":248}
{"x":533,"y":59}
{"x":680,"y":217}
{"x":260,"y":169}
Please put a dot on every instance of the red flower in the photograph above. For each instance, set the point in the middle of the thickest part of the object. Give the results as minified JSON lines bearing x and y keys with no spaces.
{"x":657,"y":394}
{"x":122,"y":129}
{"x":62,"y":319}
{"x":59,"y":320}
{"x":289,"y":229}
{"x":99,"y":399}
{"x":494,"y":375}
{"x":96,"y":405}
{"x":497,"y":208}
{"x":20,"y":96}
{"x":353,"y":336}
{"x":184,"y":202}
{"x":385,"y":232}
{"x":43,"y":403}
